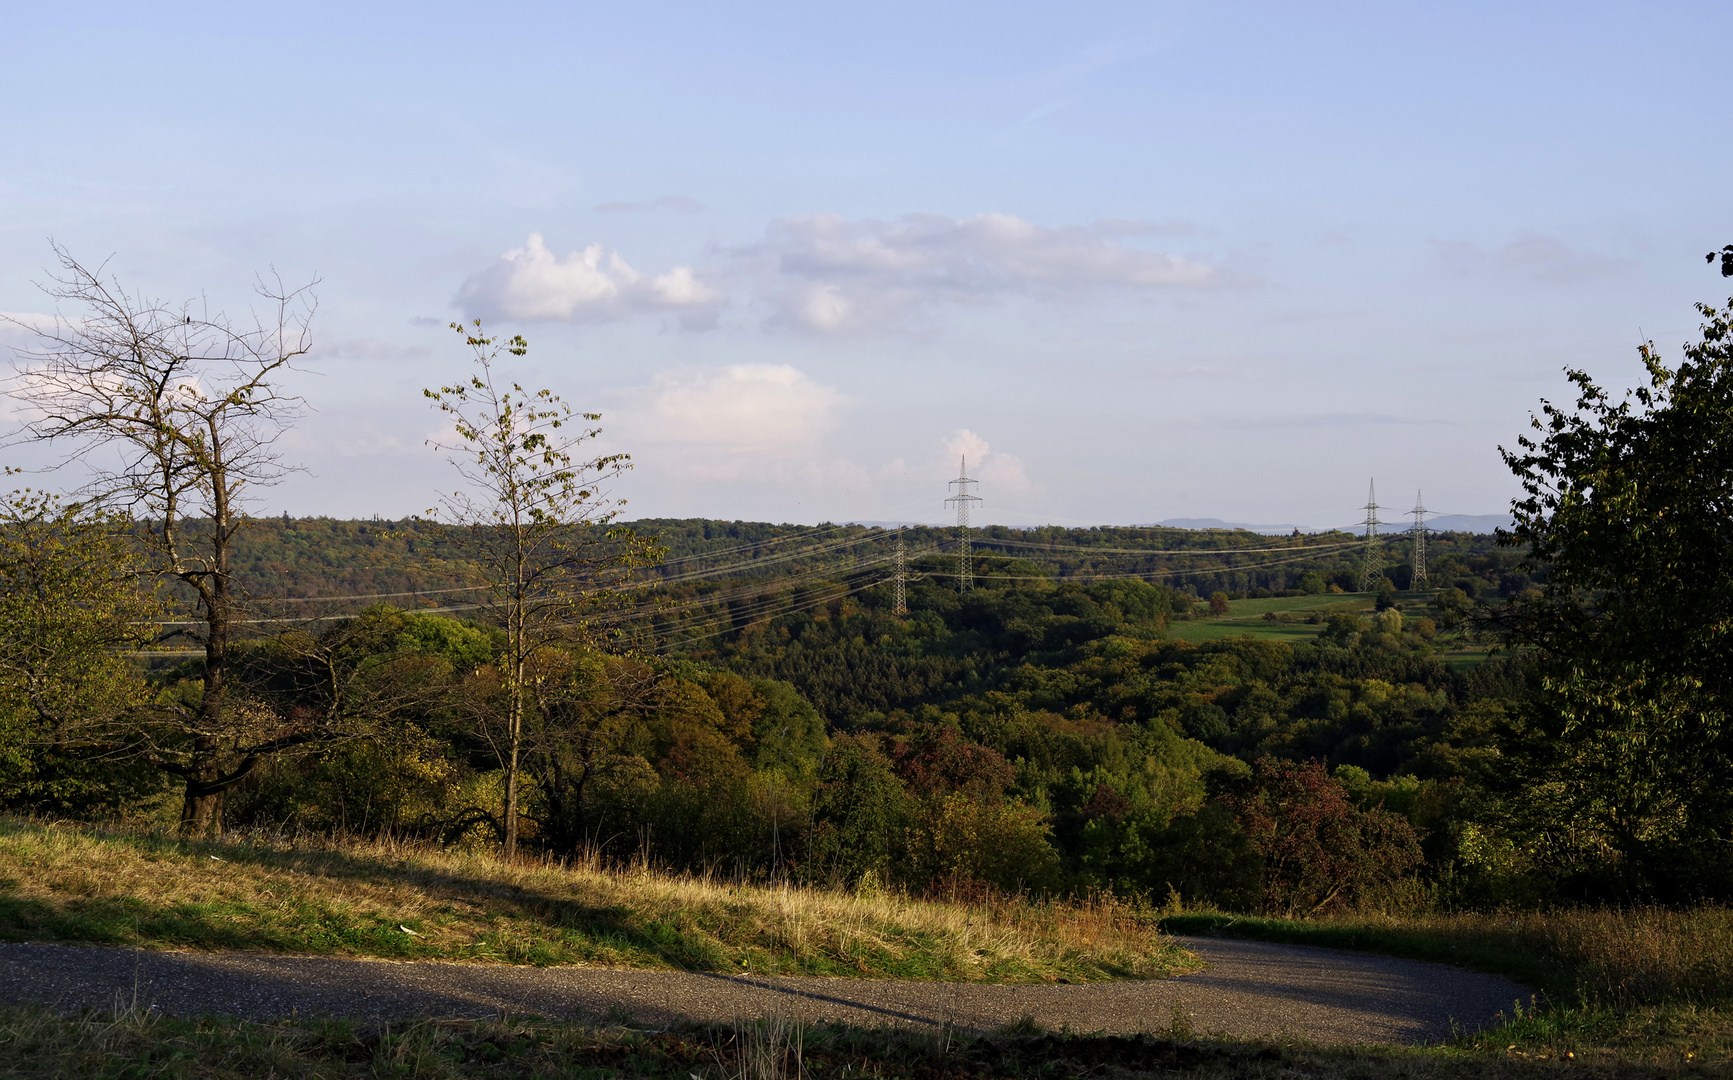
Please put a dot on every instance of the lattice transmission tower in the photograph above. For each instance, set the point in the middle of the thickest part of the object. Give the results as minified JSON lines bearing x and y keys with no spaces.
{"x":1418,"y":531}
{"x":962,"y":499}
{"x":899,"y":592}
{"x":1372,"y":561}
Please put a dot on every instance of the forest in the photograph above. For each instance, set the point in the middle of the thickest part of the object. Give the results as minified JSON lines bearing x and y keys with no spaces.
{"x":1043,"y":731}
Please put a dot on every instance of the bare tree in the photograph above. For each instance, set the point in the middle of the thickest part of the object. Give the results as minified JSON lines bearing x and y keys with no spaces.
{"x":174,"y":410}
{"x":537,"y":525}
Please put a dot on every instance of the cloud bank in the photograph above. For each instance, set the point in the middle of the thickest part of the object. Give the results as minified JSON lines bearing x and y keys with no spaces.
{"x":995,"y":470}
{"x":743,"y":408}
{"x":532,"y":283}
{"x":829,"y":274}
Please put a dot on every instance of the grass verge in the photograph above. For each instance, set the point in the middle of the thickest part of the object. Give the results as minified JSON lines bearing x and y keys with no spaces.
{"x":67,"y":883}
{"x":36,"y":1044}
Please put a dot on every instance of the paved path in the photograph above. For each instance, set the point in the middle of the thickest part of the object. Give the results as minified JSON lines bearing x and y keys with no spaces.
{"x":1250,"y":989}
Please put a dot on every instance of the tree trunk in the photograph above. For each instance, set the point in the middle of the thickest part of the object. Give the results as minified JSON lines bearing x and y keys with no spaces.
{"x":202,"y":812}
{"x":514,"y":748}
{"x":202,"y":804}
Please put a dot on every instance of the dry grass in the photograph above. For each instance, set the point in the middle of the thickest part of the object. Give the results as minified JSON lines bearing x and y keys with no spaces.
{"x":1615,"y":958}
{"x":37,"y":1044}
{"x":1618,"y":958}
{"x":70,"y":883}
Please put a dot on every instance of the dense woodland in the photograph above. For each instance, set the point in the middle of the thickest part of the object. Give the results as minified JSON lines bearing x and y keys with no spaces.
{"x":764,"y":712}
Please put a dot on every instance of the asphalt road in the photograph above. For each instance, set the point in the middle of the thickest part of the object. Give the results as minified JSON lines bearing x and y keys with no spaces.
{"x":1251,"y":989}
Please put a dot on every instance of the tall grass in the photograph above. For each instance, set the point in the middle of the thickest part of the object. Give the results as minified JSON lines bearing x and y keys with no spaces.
{"x":1615,"y":958}
{"x":385,"y":898}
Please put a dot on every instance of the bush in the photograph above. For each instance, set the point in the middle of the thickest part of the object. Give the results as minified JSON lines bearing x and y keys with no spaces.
{"x":960,"y":846}
{"x":860,"y":810}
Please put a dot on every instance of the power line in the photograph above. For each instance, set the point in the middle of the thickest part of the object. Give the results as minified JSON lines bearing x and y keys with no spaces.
{"x":815,"y":603}
{"x":899,"y":596}
{"x":962,"y":499}
{"x":1371,"y":563}
{"x":364,"y":596}
{"x":993,"y":540}
{"x":752,"y":608}
{"x":815,"y":531}
{"x":1418,"y":580}
{"x":1087,"y":577}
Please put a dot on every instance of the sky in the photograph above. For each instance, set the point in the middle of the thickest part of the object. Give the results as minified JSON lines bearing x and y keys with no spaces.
{"x":1136,"y":261}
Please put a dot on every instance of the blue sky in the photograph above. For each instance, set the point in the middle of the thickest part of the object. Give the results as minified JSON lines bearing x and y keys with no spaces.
{"x":1139,"y":260}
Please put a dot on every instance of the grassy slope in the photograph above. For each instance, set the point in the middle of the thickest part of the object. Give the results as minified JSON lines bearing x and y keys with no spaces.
{"x":61,"y":883}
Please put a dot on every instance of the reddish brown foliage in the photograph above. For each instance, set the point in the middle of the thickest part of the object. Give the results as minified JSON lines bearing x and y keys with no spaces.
{"x":1319,"y":850}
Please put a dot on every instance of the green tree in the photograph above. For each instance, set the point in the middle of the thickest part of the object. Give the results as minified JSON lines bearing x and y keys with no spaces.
{"x":1627,"y":516}
{"x":537,"y":525}
{"x":69,"y":600}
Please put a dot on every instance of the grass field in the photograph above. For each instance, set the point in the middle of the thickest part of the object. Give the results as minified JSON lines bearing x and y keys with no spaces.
{"x":64,"y":883}
{"x":1245,"y":618}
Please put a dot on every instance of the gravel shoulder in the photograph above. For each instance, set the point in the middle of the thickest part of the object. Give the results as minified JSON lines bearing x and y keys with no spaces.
{"x":1251,"y":989}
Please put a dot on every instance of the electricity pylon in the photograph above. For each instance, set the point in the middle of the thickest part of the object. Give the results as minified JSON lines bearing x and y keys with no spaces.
{"x":899,"y":598}
{"x":1372,"y":562}
{"x":1418,"y":580}
{"x":965,"y":571}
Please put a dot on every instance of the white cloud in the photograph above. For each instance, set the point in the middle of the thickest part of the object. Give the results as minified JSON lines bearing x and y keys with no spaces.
{"x":830,"y":274}
{"x":30,"y":322}
{"x":532,"y":283}
{"x":994,"y":470}
{"x":745,"y":408}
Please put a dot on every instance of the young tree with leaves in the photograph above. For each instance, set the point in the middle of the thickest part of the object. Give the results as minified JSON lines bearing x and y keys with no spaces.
{"x":69,"y":603}
{"x":174,"y":411}
{"x":1628,"y":512}
{"x":536,"y":523}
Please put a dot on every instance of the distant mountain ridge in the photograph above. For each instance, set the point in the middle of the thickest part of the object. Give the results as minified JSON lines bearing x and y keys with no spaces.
{"x":1480,"y":524}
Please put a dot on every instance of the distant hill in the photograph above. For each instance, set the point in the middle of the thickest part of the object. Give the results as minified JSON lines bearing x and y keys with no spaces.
{"x":1218,"y":523}
{"x":1482,"y":524}
{"x":1469,"y":523}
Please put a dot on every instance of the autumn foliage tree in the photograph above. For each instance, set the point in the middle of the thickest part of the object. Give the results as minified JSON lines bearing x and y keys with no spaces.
{"x":1319,"y":850}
